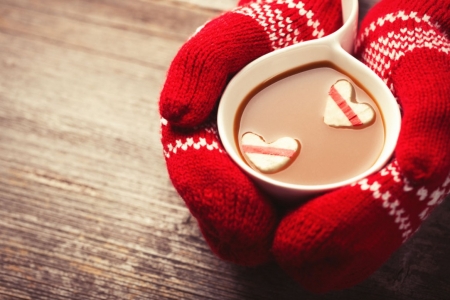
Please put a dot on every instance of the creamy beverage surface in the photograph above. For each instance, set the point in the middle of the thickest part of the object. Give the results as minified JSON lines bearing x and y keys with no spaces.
{"x":293,"y":105}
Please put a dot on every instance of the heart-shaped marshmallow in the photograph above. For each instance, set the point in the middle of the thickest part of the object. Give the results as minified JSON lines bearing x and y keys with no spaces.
{"x":342,"y":110}
{"x":269,"y":157}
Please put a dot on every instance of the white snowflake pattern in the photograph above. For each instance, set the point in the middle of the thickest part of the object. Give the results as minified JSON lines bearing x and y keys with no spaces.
{"x":280,"y":30}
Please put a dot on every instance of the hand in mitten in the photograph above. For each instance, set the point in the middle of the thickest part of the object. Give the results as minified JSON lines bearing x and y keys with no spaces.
{"x":236,"y":219}
{"x":339,"y":239}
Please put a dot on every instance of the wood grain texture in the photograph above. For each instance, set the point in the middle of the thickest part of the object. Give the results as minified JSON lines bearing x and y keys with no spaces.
{"x":87,"y":210}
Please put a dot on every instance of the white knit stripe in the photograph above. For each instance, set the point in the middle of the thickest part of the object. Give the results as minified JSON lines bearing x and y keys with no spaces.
{"x":391,"y":18}
{"x":191,"y":143}
{"x":279,"y":29}
{"x":392,"y":206}
{"x":428,"y":199}
{"x":312,"y":22}
{"x":434,"y":198}
{"x":380,"y":55}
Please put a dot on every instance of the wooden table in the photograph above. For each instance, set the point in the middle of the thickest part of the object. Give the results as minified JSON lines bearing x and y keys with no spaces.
{"x":87,"y":210}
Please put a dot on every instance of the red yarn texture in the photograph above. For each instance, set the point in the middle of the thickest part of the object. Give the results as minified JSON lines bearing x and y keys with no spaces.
{"x":236,"y":219}
{"x":339,"y":239}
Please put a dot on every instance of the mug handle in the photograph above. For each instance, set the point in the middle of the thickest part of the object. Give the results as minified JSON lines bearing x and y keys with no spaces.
{"x":346,"y":35}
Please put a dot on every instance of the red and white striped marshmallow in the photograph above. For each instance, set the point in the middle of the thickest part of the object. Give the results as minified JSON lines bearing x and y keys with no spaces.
{"x":269,"y":157}
{"x":342,"y":110}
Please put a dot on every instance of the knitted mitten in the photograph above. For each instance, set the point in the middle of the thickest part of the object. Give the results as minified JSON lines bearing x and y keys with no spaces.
{"x":236,"y":219}
{"x":339,"y":239}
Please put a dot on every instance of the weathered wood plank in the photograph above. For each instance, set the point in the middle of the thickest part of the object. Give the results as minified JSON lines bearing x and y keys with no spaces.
{"x":220,"y":5}
{"x":153,"y":18}
{"x":141,"y":48}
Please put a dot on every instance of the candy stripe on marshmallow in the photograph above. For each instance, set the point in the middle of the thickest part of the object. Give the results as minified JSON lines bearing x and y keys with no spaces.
{"x":269,"y":158}
{"x":268,"y":150}
{"x":346,"y":109}
{"x":342,"y":110}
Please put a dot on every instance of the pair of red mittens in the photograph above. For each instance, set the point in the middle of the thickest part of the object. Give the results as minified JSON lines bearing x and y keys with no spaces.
{"x":338,"y":239}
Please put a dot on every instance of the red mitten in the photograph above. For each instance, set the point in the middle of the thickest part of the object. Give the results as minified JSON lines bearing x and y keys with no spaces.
{"x":339,"y":239}
{"x":236,"y":219}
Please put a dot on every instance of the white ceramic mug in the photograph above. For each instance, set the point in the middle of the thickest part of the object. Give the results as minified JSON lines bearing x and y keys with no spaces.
{"x":334,"y":48}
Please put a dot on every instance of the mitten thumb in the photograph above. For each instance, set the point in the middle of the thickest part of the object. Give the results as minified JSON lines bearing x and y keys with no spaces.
{"x":421,"y":81}
{"x":200,"y":70}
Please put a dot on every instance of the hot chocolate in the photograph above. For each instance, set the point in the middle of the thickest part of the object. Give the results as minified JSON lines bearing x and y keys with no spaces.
{"x":294,"y":105}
